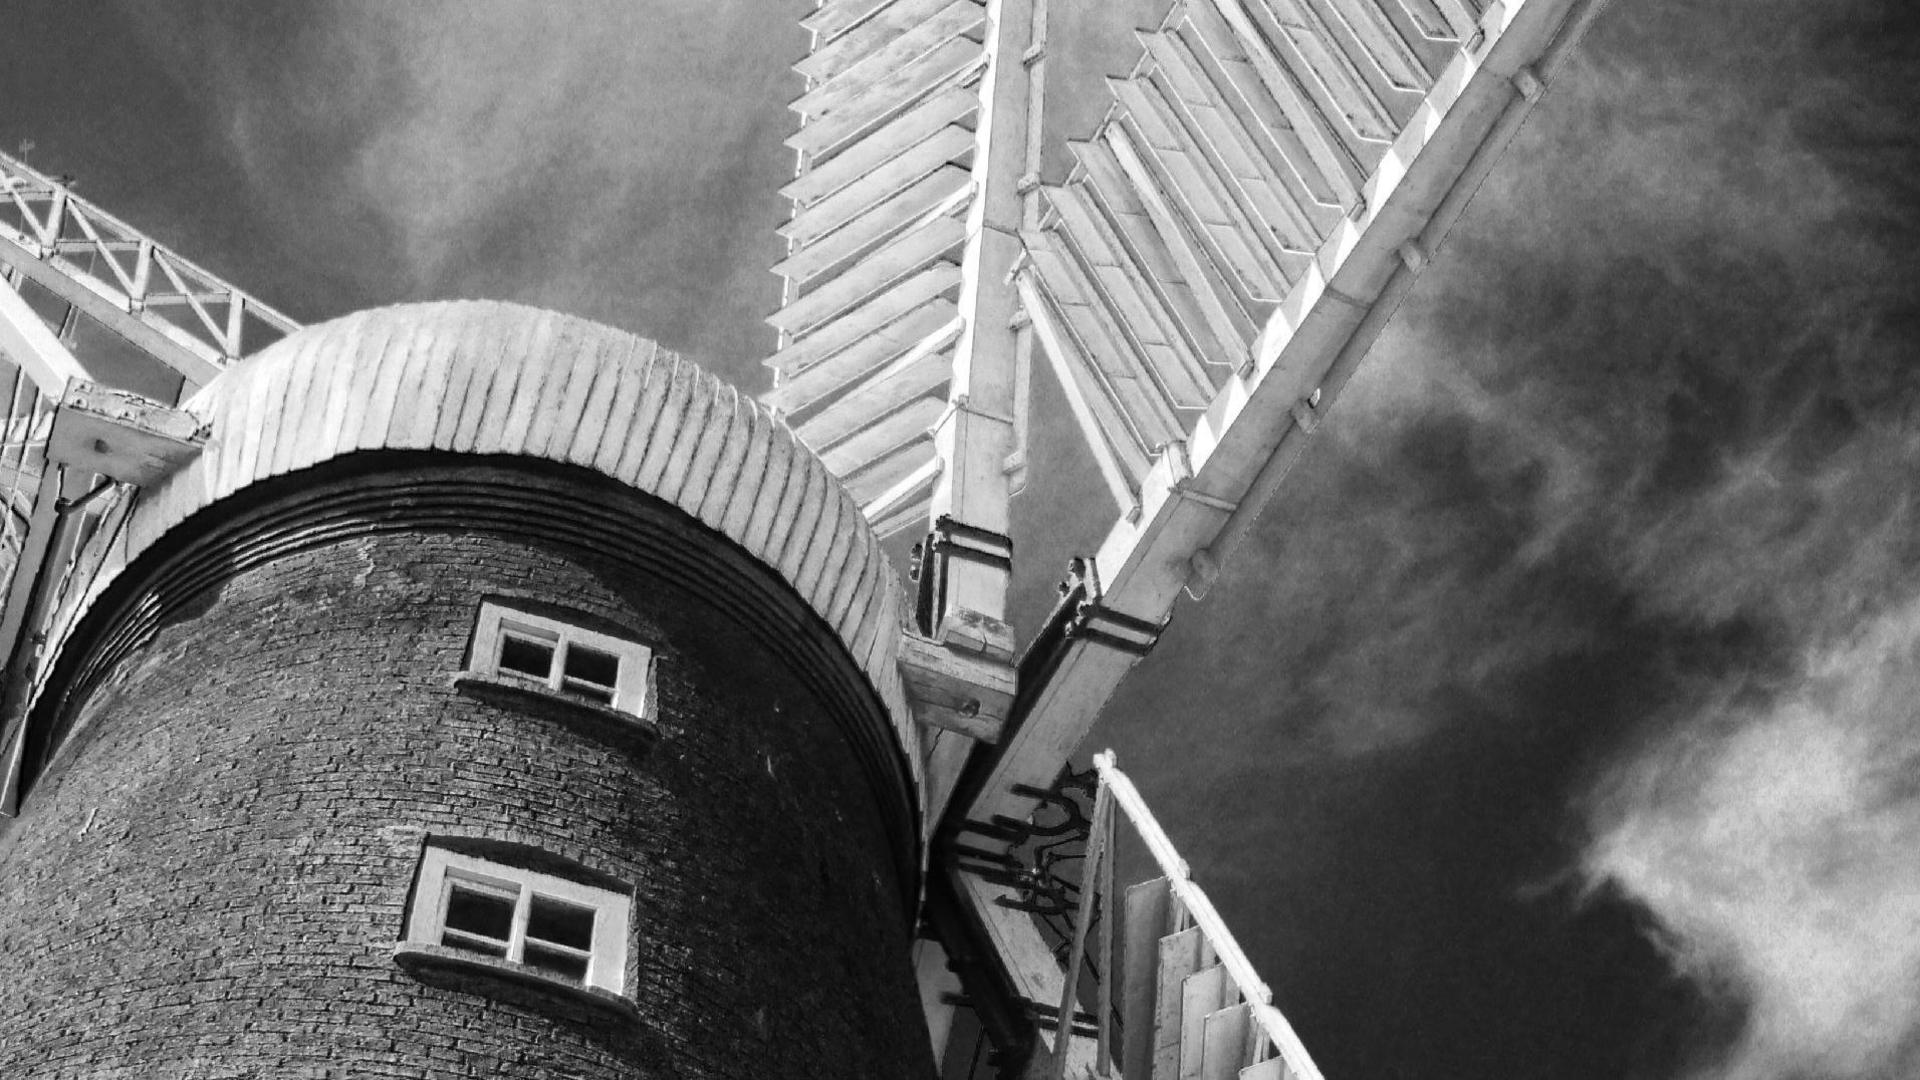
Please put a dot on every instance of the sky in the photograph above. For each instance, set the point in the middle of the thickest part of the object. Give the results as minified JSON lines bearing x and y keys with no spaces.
{"x":1558,"y":721}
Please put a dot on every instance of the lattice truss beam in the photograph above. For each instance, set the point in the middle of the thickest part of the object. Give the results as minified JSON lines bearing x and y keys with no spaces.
{"x":89,"y":306}
{"x":70,"y":275}
{"x":104,"y":270}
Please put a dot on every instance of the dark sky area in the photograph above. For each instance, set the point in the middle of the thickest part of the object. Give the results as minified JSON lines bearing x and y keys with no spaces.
{"x":1560,"y":720}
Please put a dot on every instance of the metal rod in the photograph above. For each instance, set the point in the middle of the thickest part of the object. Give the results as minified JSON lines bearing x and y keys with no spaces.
{"x":1096,"y":840}
{"x":1103,"y":1060}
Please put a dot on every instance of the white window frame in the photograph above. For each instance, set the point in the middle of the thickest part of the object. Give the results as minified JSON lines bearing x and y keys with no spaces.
{"x":497,"y":622}
{"x":613,"y":911}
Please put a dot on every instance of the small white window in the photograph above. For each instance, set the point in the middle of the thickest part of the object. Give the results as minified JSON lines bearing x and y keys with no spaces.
{"x":561,"y":657}
{"x":566,"y":930}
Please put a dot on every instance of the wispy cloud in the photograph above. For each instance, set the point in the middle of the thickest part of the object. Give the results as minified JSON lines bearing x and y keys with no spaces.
{"x":616,"y":160}
{"x":1623,"y":500}
{"x":1774,"y":840}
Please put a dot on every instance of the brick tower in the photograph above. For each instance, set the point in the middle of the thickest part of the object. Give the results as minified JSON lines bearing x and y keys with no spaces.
{"x":496,"y":694}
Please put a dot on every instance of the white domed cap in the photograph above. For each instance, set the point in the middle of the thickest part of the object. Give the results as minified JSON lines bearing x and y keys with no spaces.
{"x":492,"y":378}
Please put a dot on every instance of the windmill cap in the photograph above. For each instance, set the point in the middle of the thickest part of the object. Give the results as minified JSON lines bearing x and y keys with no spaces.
{"x":504,"y":380}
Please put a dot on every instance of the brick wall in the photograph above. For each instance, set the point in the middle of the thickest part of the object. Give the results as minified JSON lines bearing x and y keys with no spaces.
{"x":210,"y":881}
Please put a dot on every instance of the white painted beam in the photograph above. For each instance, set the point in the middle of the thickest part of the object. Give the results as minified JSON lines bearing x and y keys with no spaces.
{"x":1028,"y":960}
{"x":1198,"y":500}
{"x":32,"y":345}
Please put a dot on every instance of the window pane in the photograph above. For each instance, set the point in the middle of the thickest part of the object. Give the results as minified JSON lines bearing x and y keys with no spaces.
{"x":554,"y":962}
{"x":590,"y":665}
{"x":559,"y":922}
{"x":480,"y":913}
{"x":525,"y":656}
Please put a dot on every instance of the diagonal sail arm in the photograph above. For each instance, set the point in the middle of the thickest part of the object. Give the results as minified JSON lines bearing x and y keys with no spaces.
{"x":1211,"y":258}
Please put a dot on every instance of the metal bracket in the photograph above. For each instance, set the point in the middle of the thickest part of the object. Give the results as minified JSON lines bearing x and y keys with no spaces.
{"x":1527,"y":81}
{"x":1090,"y":620}
{"x":1032,"y":856}
{"x":952,"y":541}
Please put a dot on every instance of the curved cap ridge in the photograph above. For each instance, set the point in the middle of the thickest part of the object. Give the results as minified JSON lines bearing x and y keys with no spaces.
{"x":486,"y":377}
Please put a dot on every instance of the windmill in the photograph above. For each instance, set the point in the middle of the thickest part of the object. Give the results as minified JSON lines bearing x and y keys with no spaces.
{"x":1268,"y":182}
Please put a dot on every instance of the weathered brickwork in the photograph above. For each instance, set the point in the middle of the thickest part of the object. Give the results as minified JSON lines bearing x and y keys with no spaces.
{"x":211,"y":880}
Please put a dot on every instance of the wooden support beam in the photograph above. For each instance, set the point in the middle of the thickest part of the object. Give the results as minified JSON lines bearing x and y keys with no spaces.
{"x":33,"y":347}
{"x":1026,"y":958}
{"x":122,"y":436}
{"x":976,"y":436}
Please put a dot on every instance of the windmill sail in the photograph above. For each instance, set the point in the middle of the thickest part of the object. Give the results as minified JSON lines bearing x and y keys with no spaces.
{"x":1267,"y":185}
{"x":877,"y":241}
{"x":90,"y":309}
{"x":1268,"y":181}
